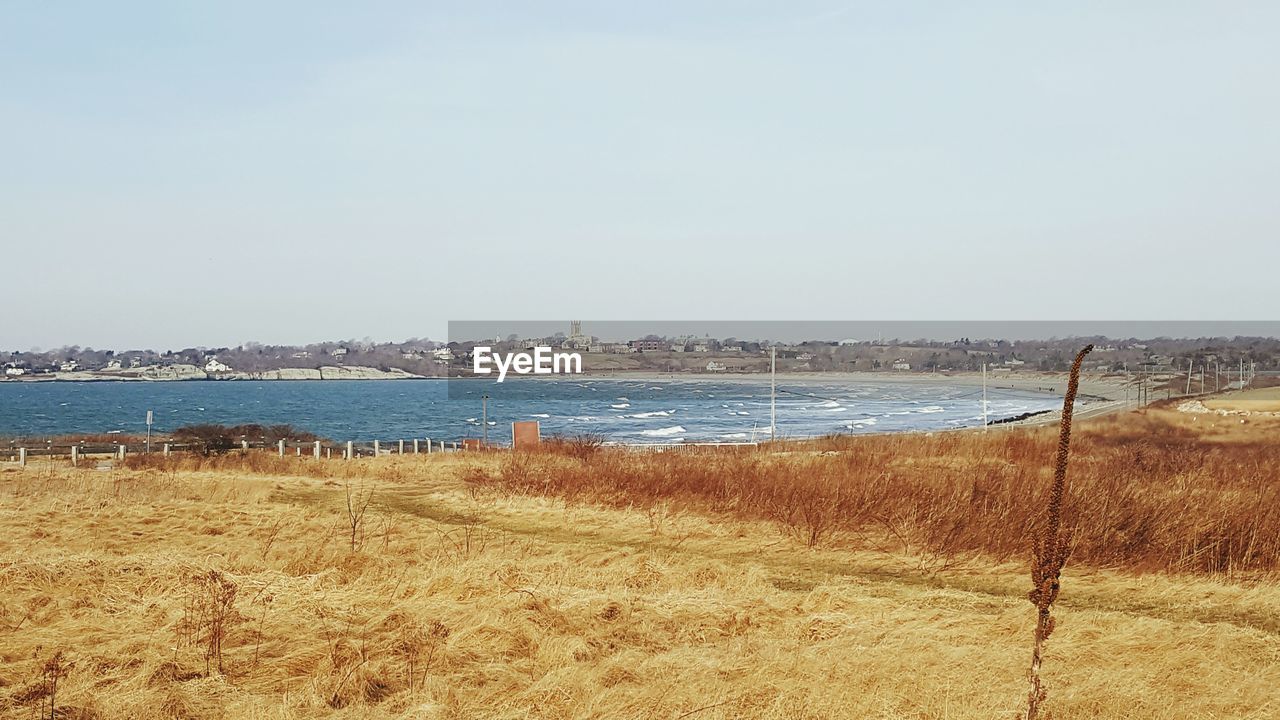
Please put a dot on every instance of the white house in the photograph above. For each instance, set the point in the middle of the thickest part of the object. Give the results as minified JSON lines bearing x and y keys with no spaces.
{"x":339,"y":351}
{"x":213,"y":366}
{"x":442,"y":354}
{"x":15,"y":371}
{"x":113,"y":365}
{"x":714,"y":366}
{"x":69,"y":366}
{"x":901,"y":364}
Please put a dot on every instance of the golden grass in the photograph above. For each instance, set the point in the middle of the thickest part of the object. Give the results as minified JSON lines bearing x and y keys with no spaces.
{"x":1261,"y":400}
{"x":469,"y":600}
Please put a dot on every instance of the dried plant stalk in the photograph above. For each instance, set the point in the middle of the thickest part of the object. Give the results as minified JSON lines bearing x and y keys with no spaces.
{"x":1051,"y":545}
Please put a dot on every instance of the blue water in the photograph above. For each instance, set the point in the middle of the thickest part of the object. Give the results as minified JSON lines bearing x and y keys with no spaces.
{"x":631,"y":411}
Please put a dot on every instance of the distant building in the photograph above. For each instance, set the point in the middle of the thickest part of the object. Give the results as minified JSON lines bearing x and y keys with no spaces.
{"x":113,"y":365}
{"x":301,"y":355}
{"x":702,"y":347}
{"x":901,"y":364}
{"x":677,"y":348}
{"x":1014,"y":362}
{"x":731,"y":348}
{"x":338,"y":352}
{"x":15,"y":371}
{"x":213,"y":366}
{"x":442,"y":354}
{"x":804,"y":357}
{"x":69,"y":366}
{"x":647,"y":345}
{"x":714,"y":366}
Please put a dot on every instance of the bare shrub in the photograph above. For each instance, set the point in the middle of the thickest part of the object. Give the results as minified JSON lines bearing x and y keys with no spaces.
{"x":357,"y":506}
{"x":208,"y":615}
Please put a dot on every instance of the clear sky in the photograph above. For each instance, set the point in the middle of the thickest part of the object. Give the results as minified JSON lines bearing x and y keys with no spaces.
{"x":177,"y":173}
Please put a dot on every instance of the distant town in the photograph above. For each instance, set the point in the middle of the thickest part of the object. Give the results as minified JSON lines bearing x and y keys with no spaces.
{"x":419,"y":358}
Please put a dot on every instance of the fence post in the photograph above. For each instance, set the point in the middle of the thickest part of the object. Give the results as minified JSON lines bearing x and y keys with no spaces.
{"x":428,"y":446}
{"x":350,"y":455}
{"x":22,"y":457}
{"x":401,"y":450}
{"x":166,"y":449}
{"x":316,"y":450}
{"x":121,"y":452}
{"x":75,"y":455}
{"x":328,"y":453}
{"x":244,"y":444}
{"x":375,"y":448}
{"x":415,"y":446}
{"x":280,"y":445}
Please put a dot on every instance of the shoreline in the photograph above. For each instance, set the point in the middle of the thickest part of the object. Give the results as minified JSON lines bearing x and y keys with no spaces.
{"x":1105,"y":387}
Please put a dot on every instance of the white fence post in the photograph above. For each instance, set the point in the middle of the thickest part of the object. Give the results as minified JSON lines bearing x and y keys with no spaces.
{"x":350,"y":454}
{"x":316,"y":450}
{"x":401,"y":449}
{"x":376,"y":449}
{"x":244,"y":444}
{"x":22,"y":457}
{"x":280,"y":445}
{"x":75,"y":455}
{"x":166,"y":449}
{"x":428,"y":446}
{"x":120,"y":452}
{"x":415,"y":446}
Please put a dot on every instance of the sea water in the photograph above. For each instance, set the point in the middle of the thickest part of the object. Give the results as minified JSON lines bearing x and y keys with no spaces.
{"x":619,"y":410}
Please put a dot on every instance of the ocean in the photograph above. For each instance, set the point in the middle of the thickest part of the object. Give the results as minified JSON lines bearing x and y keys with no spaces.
{"x":619,"y":410}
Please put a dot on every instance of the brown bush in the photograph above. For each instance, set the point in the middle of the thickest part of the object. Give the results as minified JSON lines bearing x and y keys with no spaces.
{"x":953,"y":493}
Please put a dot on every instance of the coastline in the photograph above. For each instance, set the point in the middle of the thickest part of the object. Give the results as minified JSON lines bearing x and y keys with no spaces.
{"x":1102,"y":387}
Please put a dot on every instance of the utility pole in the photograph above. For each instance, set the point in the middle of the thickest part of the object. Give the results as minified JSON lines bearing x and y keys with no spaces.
{"x":984,"y":397}
{"x":1191,"y":368}
{"x":773,"y":393}
{"x":484,"y":419}
{"x":150,"y":418}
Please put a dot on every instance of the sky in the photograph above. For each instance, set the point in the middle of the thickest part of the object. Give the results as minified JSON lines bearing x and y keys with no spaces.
{"x":207,"y":174}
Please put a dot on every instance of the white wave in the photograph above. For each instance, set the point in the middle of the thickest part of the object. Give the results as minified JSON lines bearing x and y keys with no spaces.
{"x":623,"y":399}
{"x":655,"y":388}
{"x":541,"y":415}
{"x":743,"y":412}
{"x":654,"y":414}
{"x":931,"y":409}
{"x":830,"y":404}
{"x":734,"y":436}
{"x":664,"y":432}
{"x":863,"y":421}
{"x":621,"y":406}
{"x":837,"y":409}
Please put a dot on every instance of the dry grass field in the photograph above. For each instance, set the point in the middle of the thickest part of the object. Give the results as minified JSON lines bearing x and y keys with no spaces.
{"x":873,"y":577}
{"x":1260,"y":400}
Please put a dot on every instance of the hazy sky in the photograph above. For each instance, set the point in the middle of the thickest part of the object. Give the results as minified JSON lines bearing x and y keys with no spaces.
{"x":211,"y":173}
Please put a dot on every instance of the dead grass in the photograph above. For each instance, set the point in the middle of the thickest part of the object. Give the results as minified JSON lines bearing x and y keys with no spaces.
{"x":952,"y":495}
{"x":539,"y":599}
